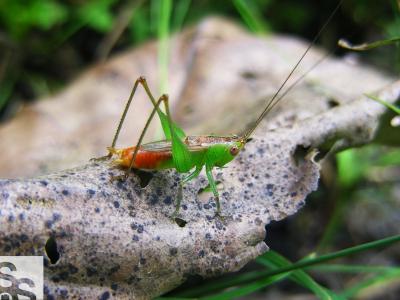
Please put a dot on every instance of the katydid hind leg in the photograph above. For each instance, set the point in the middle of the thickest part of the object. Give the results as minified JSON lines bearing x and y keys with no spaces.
{"x":164,"y":99}
{"x":141,"y":80}
{"x":181,"y":155}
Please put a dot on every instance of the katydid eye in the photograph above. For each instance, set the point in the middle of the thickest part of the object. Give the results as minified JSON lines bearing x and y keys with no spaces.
{"x":234,"y":150}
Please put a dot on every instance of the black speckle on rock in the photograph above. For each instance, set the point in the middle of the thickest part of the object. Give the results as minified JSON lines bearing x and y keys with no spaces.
{"x":21,"y":216}
{"x":65,"y":192}
{"x":105,"y":296}
{"x":173,"y":251}
{"x":48,"y":223}
{"x":90,"y":271}
{"x":257,"y":221}
{"x":135,"y":238}
{"x":201,"y":253}
{"x":114,"y":269}
{"x":91,"y":192}
{"x":168,"y":200}
{"x":11,"y":218}
{"x":120,"y":185}
{"x":142,"y":261}
{"x":294,"y":194}
{"x":154,"y":199}
{"x":140,"y":229}
{"x":134,"y":226}
{"x":63,"y":275}
{"x":208,"y":236}
{"x":116,"y":204}
{"x":270,"y":188}
{"x":49,"y":296}
{"x":64,"y":293}
{"x":72,"y":269}
{"x":24,"y":237}
{"x":260,"y":151}
{"x":56,"y":217}
{"x":43,"y":182}
{"x":97,"y":209}
{"x":207,"y":206}
{"x":184,"y":207}
{"x":114,"y":286}
{"x":219,"y":225}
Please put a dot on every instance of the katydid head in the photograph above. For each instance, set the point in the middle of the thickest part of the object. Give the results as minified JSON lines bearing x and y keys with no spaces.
{"x":223,"y":153}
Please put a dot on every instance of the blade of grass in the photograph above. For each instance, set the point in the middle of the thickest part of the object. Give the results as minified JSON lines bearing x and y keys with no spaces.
{"x":337,"y":268}
{"x":379,"y":280}
{"x":385,"y":103}
{"x":220,"y":284}
{"x":253,"y":276}
{"x":165,"y":8}
{"x":182,"y":8}
{"x":273,"y":260}
{"x":247,"y":289}
{"x":250,"y":16}
{"x":367,"y":46}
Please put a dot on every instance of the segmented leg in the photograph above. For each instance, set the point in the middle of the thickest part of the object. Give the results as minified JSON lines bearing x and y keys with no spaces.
{"x":192,"y":175}
{"x":139,"y":143}
{"x":141,"y":80}
{"x":213,"y":186}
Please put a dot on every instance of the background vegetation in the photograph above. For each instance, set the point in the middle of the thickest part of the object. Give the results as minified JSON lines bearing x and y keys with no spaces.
{"x":47,"y":43}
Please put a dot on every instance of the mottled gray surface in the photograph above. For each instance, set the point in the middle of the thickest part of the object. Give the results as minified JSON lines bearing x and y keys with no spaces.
{"x":117,"y":239}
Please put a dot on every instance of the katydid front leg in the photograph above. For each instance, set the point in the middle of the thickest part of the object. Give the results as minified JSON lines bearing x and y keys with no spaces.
{"x":213,"y":186}
{"x":191,"y":176}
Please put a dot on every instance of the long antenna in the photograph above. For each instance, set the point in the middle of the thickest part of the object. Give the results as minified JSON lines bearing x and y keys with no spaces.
{"x":271,"y":103}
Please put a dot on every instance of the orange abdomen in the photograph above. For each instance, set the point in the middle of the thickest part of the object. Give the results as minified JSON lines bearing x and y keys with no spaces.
{"x":150,"y":160}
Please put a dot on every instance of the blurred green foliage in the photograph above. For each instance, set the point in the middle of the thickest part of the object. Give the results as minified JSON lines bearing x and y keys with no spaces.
{"x":50,"y":41}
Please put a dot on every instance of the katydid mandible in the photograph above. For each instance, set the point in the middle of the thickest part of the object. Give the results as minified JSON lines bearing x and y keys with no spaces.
{"x":189,"y":153}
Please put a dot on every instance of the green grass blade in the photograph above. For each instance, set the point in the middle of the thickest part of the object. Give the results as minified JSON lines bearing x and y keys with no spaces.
{"x":385,"y":103}
{"x":367,"y":46}
{"x":247,"y":289}
{"x":338,"y":254}
{"x":250,"y":16}
{"x":351,"y":269}
{"x":259,"y":275}
{"x":220,"y":284}
{"x":182,"y":8}
{"x":273,"y":260}
{"x":387,"y":278}
{"x":165,"y":8}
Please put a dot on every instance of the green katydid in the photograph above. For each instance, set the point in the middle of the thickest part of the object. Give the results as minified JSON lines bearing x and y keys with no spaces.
{"x":189,"y":153}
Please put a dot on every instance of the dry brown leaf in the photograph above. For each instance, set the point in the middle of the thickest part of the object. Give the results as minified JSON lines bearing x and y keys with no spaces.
{"x":118,"y":238}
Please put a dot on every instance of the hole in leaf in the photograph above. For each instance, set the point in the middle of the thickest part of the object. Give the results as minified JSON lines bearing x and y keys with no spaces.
{"x":333,"y":103}
{"x":180,"y":222}
{"x":249,"y":75}
{"x":300,"y":153}
{"x":144,"y":177}
{"x":51,"y":250}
